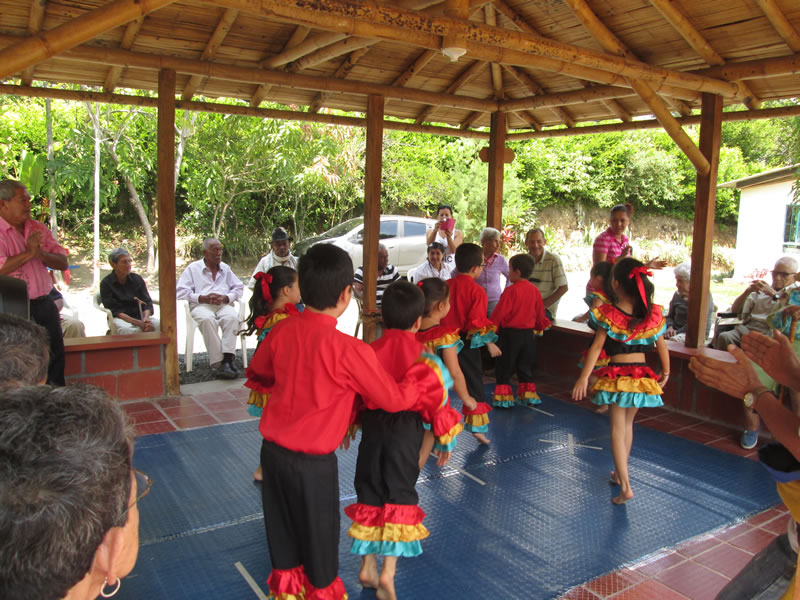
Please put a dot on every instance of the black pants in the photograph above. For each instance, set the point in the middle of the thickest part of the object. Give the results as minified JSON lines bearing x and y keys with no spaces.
{"x":45,"y":312}
{"x":300,"y":494}
{"x":469,"y":359}
{"x":519,"y":354}
{"x":388,"y":458}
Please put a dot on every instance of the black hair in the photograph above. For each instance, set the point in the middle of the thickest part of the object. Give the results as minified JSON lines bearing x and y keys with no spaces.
{"x":435,"y":291}
{"x":468,"y":256}
{"x":435,"y":246}
{"x":281,"y":277}
{"x":627,"y":207}
{"x":443,"y":206}
{"x":401,"y":305}
{"x":630,"y":287}
{"x":522,"y":263}
{"x":324,"y":272}
{"x":603,"y":269}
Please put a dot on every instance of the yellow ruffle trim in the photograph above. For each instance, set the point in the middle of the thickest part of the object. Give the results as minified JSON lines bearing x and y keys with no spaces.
{"x":641,"y":334}
{"x":539,"y":332}
{"x":447,"y":438}
{"x":502,"y":398}
{"x":258,"y":399}
{"x":390,"y":532}
{"x":529,"y":395}
{"x":272,"y":320}
{"x":477,"y":420}
{"x":448,"y":339}
{"x":645,"y":385}
{"x":434,"y":366}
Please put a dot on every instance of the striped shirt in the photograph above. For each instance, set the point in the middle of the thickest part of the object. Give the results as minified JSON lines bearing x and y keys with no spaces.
{"x":389,"y":276}
{"x":548,"y":275}
{"x":608,"y":244}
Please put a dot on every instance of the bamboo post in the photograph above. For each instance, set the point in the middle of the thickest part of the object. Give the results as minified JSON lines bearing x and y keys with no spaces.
{"x":35,"y":49}
{"x":497,"y":146}
{"x":703,"y":236}
{"x":166,"y":227}
{"x":372,"y":208}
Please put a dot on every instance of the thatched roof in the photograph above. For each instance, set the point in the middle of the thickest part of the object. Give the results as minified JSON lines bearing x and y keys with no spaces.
{"x":545,"y":62}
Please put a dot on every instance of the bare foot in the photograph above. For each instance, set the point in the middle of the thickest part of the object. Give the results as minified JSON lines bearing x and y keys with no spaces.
{"x":623,"y":497}
{"x":602,"y":409}
{"x":386,"y":588}
{"x":482,"y":439}
{"x":257,"y":475}
{"x":613,"y":479}
{"x":368,"y":576}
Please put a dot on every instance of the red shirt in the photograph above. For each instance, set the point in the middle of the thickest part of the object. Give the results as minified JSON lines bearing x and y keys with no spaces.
{"x":313,"y":373}
{"x":521,"y":307}
{"x":468,"y":305}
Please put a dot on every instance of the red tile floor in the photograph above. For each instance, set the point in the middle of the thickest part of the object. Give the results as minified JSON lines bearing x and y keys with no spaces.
{"x":696,"y":570}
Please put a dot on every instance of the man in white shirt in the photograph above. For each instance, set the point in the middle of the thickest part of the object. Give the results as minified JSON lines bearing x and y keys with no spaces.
{"x":211,"y":288}
{"x":280,"y":255}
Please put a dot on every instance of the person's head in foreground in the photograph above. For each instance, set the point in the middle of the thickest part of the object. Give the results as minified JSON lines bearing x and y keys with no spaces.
{"x":520,"y":267}
{"x":402,"y":306}
{"x":69,"y":522}
{"x":325,"y":273}
{"x":469,"y":259}
{"x":24,"y":352}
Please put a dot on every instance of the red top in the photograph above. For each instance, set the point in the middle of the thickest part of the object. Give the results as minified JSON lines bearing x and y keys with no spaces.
{"x":313,"y":372}
{"x":521,"y":307}
{"x":468,"y":305}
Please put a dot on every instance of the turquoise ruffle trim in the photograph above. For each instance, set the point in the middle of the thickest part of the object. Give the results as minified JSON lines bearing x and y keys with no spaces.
{"x":254,"y":411}
{"x":621,"y":337}
{"x":476,"y":428}
{"x":503,"y":404}
{"x":447,"y":380}
{"x":408,"y":549}
{"x":529,"y":401}
{"x":426,"y":426}
{"x":628,"y":399}
{"x":444,"y":447}
{"x":481,"y":339}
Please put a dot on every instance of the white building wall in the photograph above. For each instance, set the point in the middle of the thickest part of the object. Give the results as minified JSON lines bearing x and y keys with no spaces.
{"x":759,"y":234}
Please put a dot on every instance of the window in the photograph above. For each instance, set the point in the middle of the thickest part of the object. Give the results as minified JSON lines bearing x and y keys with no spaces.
{"x":791,"y":234}
{"x":388,"y":230}
{"x":412,"y":228}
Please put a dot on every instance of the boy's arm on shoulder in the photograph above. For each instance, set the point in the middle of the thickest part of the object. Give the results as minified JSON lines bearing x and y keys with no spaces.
{"x":373,"y":383}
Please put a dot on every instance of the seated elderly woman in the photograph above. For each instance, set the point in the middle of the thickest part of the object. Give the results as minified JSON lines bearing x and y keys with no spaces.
{"x":678,"y":314}
{"x":494,"y":265}
{"x":69,"y":521}
{"x":435,"y":266}
{"x":125,"y":294}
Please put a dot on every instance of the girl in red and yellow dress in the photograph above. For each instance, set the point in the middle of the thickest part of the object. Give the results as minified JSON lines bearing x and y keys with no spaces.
{"x":446,"y":343}
{"x":598,"y":292}
{"x":626,"y":329}
{"x":274,"y":298}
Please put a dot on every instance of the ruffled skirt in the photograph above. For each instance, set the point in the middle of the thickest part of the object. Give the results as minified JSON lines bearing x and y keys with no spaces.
{"x":389,"y":530}
{"x":627,"y":385}
{"x":526,"y":395}
{"x":477,"y":421}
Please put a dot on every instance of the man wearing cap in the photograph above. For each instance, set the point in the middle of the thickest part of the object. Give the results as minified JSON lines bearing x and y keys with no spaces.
{"x":280,"y":255}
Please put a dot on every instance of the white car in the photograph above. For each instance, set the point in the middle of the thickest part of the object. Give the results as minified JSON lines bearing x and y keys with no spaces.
{"x":403,"y":236}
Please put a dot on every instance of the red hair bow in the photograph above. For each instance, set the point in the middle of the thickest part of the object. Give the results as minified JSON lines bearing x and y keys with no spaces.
{"x":265,"y":279}
{"x":419,"y":283}
{"x":638,"y":272}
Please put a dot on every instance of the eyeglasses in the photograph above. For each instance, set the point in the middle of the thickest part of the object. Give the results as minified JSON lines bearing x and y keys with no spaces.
{"x":783,"y":274}
{"x":143,"y":485}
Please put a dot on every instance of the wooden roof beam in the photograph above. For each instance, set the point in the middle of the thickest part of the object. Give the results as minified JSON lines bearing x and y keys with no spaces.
{"x":781,"y":24}
{"x":670,"y":11}
{"x":345,"y":46}
{"x":341,"y":73}
{"x":612,"y":44}
{"x":292,"y":53}
{"x":35,"y":19}
{"x":497,"y":72}
{"x":415,"y":68}
{"x":34,"y":49}
{"x":210,"y":51}
{"x":298,"y":36}
{"x":470,"y":120}
{"x":529,"y":82}
{"x":466,"y":76}
{"x":115,"y":73}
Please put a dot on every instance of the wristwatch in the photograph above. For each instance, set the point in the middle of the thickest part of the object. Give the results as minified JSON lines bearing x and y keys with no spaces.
{"x":751,"y":397}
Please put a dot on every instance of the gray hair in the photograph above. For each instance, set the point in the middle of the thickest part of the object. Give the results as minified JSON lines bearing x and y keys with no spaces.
{"x":24,"y":351}
{"x":789,"y":261}
{"x":207,"y":243}
{"x":382,"y":247}
{"x":489,"y":233}
{"x":683,"y":271}
{"x":65,"y":481}
{"x":9,"y":187}
{"x":116,"y":254}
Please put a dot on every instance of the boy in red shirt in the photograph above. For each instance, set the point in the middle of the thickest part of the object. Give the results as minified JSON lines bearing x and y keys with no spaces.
{"x":519,"y":314}
{"x":313,"y":372}
{"x":468,"y":307}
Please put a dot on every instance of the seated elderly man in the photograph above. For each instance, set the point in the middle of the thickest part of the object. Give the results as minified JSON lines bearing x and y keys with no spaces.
{"x":211,"y":288}
{"x":387,"y":275}
{"x":24,"y":352}
{"x":678,"y":314}
{"x":125,"y":294}
{"x":548,"y":272}
{"x":280,"y":255}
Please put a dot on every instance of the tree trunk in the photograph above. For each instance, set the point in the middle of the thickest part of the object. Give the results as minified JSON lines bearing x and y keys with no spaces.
{"x":51,"y":188}
{"x":96,"y":254}
{"x":184,"y":133}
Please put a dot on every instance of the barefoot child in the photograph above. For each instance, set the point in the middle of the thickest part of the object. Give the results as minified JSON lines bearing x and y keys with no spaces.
{"x":520,"y":317}
{"x":387,"y":519}
{"x":446,"y":344}
{"x":313,"y":373}
{"x":274,"y":298}
{"x":468,"y":308}
{"x":626,"y":329}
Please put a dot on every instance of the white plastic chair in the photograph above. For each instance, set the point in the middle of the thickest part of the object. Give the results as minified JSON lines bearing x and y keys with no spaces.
{"x":98,"y":304}
{"x":191,"y":325}
{"x":412,"y":273}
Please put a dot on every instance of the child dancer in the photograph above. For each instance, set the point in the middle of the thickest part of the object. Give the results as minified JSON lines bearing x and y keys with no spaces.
{"x":387,"y":519}
{"x":314,"y":372}
{"x":627,"y":329}
{"x":446,"y":344}
{"x":468,"y":307}
{"x":274,"y":297}
{"x":519,"y":314}
{"x":598,"y":292}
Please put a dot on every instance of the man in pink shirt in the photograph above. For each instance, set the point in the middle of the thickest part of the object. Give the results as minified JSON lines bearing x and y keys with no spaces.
{"x":27,"y":249}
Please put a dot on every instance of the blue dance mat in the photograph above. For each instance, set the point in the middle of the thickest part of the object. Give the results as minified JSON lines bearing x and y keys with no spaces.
{"x":526,"y":518}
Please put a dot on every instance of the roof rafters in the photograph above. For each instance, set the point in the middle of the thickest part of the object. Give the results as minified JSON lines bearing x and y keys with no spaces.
{"x":780,"y":23}
{"x":466,"y":76}
{"x":342,"y":72}
{"x":214,"y":42}
{"x":298,"y":37}
{"x":115,"y":73}
{"x":34,"y":25}
{"x":529,"y":82}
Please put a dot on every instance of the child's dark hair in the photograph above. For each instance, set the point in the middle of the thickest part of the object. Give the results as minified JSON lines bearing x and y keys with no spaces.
{"x":627,"y":207}
{"x":630,"y":286}
{"x":435,"y":291}
{"x":401,"y":305}
{"x":468,"y":256}
{"x":522,"y":263}
{"x":603,"y":269}
{"x":324,"y":272}
{"x":259,"y":304}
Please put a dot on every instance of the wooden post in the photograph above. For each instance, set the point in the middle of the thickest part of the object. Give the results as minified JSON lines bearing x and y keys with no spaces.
{"x":166,"y":227}
{"x":703,"y":236}
{"x":497,"y":145}
{"x":372,"y":208}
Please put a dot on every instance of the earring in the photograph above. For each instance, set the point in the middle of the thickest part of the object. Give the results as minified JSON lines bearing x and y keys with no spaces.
{"x":113,"y":592}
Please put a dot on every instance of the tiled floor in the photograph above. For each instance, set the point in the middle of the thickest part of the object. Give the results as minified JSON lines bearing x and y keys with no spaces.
{"x":696,"y":570}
